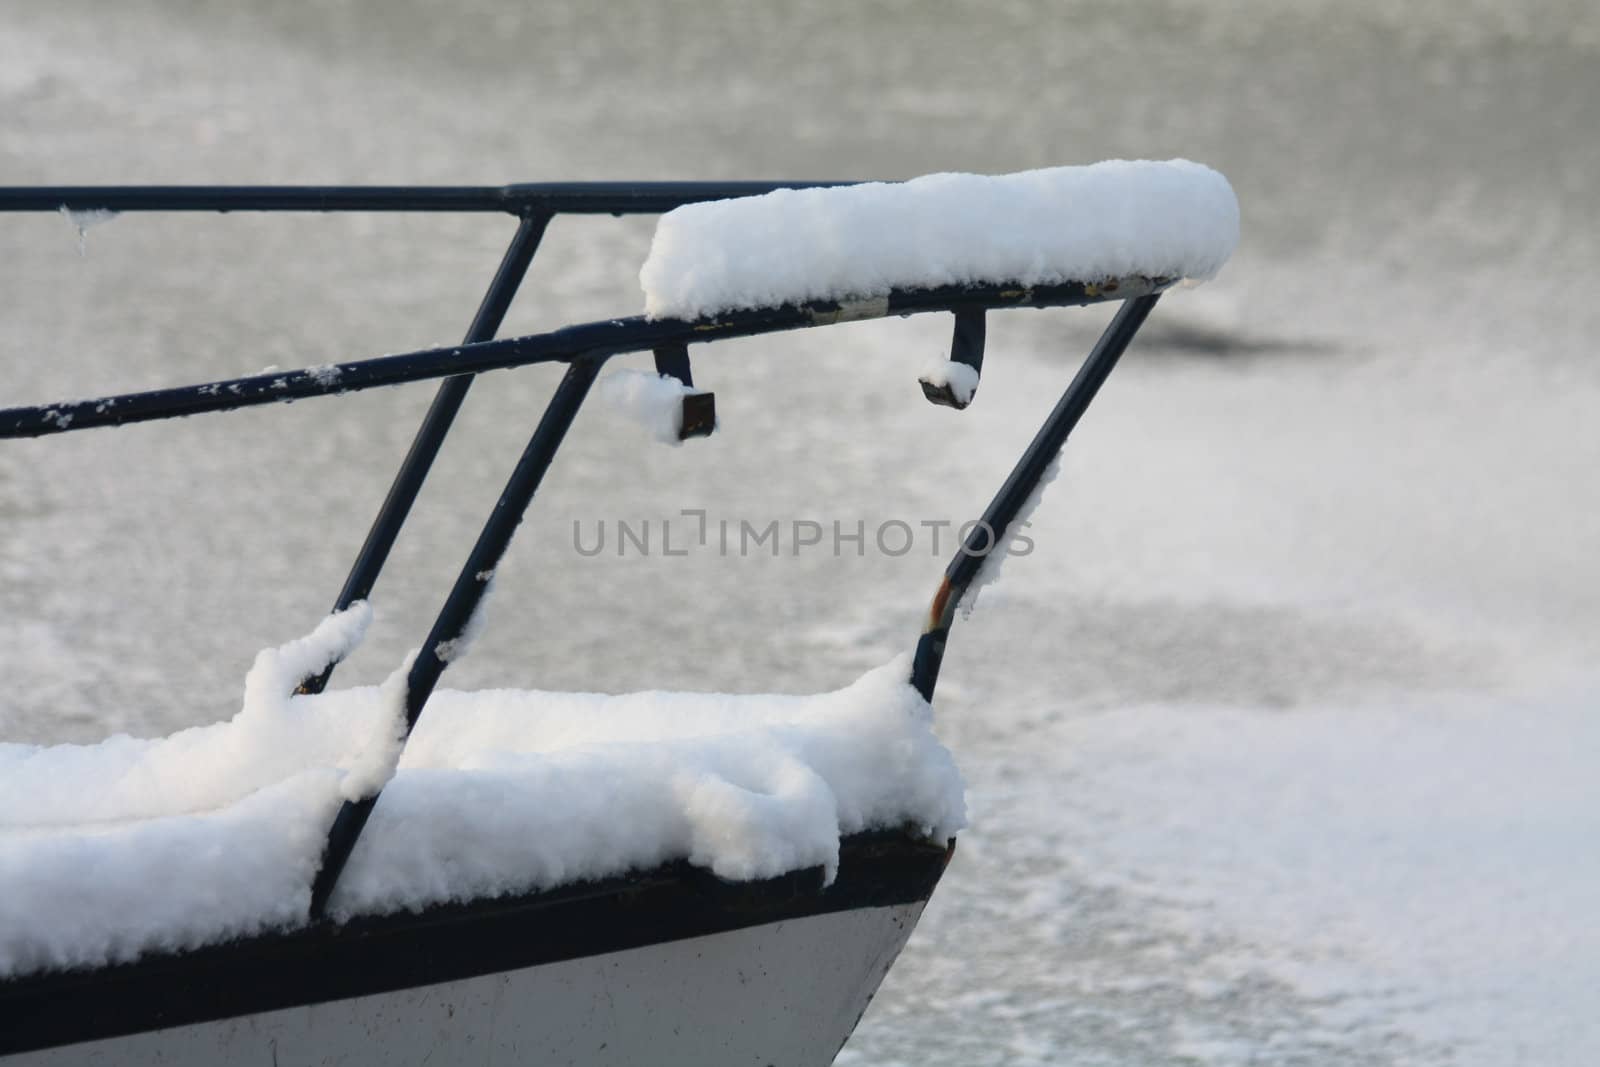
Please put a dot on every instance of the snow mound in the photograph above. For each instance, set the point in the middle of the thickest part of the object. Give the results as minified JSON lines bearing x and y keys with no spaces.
{"x":1116,"y":219}
{"x":108,"y":851}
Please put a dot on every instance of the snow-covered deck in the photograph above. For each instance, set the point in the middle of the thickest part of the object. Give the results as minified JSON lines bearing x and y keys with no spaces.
{"x":111,"y":850}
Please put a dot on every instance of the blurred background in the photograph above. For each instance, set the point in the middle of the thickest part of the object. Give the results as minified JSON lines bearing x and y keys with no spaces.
{"x":1280,"y":745}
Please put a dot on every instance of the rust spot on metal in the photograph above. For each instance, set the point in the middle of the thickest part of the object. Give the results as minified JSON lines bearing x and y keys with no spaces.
{"x":936,"y":610}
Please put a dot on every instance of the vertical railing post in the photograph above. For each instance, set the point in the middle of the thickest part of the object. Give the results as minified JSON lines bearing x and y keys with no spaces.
{"x":435,"y":425}
{"x":464,"y":599}
{"x":1019,"y":485}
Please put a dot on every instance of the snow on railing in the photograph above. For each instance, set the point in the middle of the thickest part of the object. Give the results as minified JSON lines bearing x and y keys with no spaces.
{"x":1118,"y":219}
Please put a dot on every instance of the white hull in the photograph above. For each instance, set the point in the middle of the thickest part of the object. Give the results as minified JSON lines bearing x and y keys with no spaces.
{"x":784,"y":994}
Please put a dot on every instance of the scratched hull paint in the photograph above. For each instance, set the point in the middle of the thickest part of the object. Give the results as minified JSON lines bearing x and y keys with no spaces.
{"x":787,"y":993}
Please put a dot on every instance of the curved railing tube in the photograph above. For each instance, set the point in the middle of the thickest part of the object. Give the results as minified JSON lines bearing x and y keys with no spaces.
{"x":611,"y":337}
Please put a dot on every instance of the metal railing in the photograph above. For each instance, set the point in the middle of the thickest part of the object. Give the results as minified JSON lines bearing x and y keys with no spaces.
{"x":585,"y":348}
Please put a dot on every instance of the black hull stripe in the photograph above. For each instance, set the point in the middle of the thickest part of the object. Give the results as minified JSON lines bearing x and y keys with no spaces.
{"x":384,"y":954}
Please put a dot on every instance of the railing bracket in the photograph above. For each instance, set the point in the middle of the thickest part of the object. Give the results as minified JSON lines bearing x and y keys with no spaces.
{"x":699,"y":411}
{"x":955,"y":383}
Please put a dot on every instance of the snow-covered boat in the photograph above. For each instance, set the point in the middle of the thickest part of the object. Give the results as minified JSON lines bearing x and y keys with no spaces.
{"x":522,"y":877}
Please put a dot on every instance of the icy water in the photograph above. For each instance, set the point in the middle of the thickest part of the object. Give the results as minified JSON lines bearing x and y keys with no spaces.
{"x":1280,"y":745}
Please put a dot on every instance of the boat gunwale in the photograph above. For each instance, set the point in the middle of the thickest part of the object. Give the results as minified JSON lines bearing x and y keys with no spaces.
{"x":377,"y":954}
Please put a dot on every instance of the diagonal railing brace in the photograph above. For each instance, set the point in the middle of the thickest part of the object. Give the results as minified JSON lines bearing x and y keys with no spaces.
{"x":435,"y":426}
{"x":464,"y":600}
{"x":1019,"y":485}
